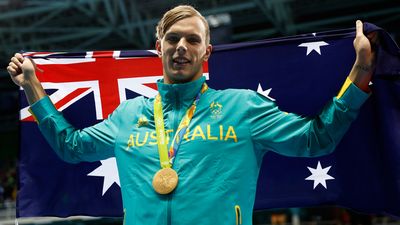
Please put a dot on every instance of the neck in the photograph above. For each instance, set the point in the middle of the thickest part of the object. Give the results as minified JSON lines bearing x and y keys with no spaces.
{"x":182,"y":92}
{"x":171,"y":80}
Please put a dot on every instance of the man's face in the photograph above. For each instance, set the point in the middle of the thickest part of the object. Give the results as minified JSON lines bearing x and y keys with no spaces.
{"x":183,"y":50}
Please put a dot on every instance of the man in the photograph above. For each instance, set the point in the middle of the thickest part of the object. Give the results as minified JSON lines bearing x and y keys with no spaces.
{"x":206,"y":171}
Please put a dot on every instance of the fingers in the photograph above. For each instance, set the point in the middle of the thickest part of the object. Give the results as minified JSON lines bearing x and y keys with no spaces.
{"x":11,"y":70}
{"x":20,"y":64}
{"x":15,"y":65}
{"x":373,"y":36}
{"x":19,"y":57}
{"x":359,"y":28}
{"x":17,"y":61}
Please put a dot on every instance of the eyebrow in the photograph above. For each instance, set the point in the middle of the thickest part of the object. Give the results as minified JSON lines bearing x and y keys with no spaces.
{"x":179,"y":34}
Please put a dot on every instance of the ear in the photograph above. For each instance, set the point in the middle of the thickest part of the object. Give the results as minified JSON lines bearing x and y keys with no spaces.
{"x":158,"y":48}
{"x":208,"y":52}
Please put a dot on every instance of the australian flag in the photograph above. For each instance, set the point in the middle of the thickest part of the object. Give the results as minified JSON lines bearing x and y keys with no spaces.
{"x":301,"y":73}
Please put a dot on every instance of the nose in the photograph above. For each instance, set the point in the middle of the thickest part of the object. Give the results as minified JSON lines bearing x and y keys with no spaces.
{"x":181,"y":47}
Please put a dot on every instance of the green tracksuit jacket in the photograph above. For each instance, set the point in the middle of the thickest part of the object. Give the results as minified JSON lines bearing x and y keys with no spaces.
{"x":219,"y":159}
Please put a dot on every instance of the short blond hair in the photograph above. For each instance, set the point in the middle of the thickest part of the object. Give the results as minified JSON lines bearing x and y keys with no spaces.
{"x":176,"y":14}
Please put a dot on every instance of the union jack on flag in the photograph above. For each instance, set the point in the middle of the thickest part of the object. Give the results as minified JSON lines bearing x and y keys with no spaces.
{"x":80,"y":74}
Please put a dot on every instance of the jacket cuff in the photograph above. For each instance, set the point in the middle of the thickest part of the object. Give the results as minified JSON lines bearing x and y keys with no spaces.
{"x":352,"y":96}
{"x":42,"y":109}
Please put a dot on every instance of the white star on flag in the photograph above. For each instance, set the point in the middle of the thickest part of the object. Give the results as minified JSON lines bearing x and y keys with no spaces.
{"x":313,"y":46}
{"x":109,"y":171}
{"x":265,"y":93}
{"x":319,"y":175}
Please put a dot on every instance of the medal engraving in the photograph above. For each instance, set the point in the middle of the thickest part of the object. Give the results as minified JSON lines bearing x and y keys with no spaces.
{"x":165,"y":181}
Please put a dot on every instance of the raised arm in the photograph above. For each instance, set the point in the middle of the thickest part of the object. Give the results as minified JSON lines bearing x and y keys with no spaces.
{"x":363,"y":67}
{"x":292,"y":135}
{"x":72,"y":145}
{"x":22,"y":72}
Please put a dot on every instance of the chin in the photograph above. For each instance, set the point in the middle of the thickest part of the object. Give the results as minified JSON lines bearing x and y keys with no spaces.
{"x":181,"y":78}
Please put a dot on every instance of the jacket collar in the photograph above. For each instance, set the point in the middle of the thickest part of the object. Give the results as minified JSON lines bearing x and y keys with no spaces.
{"x":179,"y":92}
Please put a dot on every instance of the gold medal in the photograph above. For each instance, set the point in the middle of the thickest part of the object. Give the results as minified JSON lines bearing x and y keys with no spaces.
{"x":165,"y":181}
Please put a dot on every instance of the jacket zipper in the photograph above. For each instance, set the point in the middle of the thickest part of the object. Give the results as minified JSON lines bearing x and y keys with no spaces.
{"x":176,"y":114}
{"x":238,"y":215}
{"x":169,"y":210}
{"x":175,"y":127}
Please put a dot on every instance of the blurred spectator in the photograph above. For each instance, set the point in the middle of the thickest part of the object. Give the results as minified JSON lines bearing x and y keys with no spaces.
{"x":279,"y":218}
{"x":341,"y":216}
{"x":8,"y":182}
{"x":1,"y":196}
{"x":295,"y":215}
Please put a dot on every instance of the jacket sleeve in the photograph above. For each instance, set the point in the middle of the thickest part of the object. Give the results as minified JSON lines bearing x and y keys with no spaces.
{"x":71,"y":145}
{"x":293,"y":135}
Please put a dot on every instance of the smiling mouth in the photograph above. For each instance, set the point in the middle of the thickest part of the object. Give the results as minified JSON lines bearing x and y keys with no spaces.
{"x":180,"y":61}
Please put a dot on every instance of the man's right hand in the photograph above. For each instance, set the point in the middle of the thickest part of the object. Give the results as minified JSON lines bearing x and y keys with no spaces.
{"x":22,"y":72}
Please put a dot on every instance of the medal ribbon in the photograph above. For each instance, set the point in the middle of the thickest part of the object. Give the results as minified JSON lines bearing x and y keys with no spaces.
{"x":167,"y":156}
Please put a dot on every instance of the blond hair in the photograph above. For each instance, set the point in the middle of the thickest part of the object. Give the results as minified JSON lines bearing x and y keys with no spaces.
{"x":176,"y":14}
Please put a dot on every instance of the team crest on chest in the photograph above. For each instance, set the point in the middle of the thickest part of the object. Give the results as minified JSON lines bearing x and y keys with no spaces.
{"x":216,"y":110}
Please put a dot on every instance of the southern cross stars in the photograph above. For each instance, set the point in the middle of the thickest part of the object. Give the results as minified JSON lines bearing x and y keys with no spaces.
{"x":265,"y":93}
{"x":319,"y":175}
{"x":108,"y":170}
{"x":313,"y":46}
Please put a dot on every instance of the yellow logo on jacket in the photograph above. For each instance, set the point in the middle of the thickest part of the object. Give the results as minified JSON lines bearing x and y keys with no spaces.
{"x":142,"y":121}
{"x":207,"y":133}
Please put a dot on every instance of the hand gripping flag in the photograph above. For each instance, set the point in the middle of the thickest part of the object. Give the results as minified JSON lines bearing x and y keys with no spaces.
{"x":301,"y":73}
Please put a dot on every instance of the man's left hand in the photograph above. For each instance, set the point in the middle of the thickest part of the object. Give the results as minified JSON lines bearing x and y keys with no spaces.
{"x":364,"y":65}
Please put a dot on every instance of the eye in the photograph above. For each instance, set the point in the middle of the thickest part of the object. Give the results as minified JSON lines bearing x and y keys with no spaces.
{"x":172,"y":38}
{"x":193,"y":40}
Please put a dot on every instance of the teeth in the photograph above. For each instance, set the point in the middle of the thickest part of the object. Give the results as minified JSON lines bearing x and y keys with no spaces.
{"x":181,"y":60}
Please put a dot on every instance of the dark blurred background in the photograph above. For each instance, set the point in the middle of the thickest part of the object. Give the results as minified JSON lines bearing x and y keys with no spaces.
{"x":80,"y":25}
